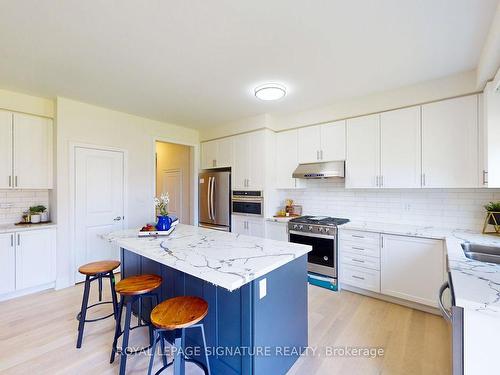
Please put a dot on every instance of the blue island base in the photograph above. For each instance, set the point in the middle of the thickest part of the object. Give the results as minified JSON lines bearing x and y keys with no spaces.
{"x":245,"y":334}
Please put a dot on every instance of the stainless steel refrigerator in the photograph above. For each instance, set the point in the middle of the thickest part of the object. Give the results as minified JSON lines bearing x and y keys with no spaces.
{"x":214,"y":200}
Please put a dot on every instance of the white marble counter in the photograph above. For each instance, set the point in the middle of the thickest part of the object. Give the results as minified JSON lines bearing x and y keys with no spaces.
{"x":476,"y":284}
{"x":225,"y":259}
{"x":8,"y":228}
{"x":283,"y":220}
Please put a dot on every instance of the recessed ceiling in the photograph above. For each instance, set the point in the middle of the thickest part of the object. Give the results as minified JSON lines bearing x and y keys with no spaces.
{"x":197,"y":63}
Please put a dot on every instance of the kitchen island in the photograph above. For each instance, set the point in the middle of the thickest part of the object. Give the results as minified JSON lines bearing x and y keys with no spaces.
{"x":256,"y":290}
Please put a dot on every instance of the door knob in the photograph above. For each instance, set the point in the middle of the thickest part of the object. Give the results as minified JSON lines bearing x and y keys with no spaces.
{"x":118,"y":218}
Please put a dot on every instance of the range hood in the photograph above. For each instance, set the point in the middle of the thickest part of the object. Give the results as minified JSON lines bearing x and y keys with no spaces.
{"x":329,"y":169}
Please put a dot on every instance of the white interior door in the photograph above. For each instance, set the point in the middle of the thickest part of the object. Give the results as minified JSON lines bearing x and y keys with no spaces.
{"x":99,"y":203}
{"x":172,"y":184}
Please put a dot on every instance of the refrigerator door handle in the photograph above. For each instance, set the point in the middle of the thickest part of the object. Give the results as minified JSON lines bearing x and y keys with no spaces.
{"x":209,"y":190}
{"x":212,"y":199}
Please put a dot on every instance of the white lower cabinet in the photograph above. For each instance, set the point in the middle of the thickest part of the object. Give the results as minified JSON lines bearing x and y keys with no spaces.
{"x":412,"y":268}
{"x":247,"y":225}
{"x":276,"y":231}
{"x":27,"y":260}
{"x":408,"y":268}
{"x":7,"y":263}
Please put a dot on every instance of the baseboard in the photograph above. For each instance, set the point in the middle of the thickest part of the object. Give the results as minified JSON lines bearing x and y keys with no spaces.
{"x":398,"y":301}
{"x":24,"y":292}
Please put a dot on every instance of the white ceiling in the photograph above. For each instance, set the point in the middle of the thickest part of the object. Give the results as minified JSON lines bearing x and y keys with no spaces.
{"x":195,"y":62}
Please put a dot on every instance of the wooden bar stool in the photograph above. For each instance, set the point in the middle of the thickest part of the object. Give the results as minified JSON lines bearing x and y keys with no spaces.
{"x":132,"y":289}
{"x":178,"y":314}
{"x":96,"y":271}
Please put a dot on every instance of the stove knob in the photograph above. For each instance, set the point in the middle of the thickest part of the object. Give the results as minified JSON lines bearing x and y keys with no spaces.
{"x":310,"y":228}
{"x":295,"y":226}
{"x":327,"y":230}
{"x":301,"y":227}
{"x":320,"y":229}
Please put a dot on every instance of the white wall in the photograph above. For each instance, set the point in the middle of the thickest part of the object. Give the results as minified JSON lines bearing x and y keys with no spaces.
{"x":455,"y":85}
{"x":14,"y":101}
{"x":457,"y":208}
{"x":83,"y":123}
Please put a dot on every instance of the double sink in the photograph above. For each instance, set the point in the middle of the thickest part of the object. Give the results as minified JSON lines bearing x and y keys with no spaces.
{"x":482,"y":253}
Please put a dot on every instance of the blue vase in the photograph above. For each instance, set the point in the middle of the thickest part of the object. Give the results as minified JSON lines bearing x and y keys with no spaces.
{"x":164,"y":223}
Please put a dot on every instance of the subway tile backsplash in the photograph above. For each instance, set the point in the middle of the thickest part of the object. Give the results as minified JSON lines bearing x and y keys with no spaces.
{"x":19,"y":201}
{"x":449,"y":208}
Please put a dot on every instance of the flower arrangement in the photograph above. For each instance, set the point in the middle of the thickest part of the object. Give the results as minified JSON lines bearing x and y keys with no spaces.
{"x":161,"y":204}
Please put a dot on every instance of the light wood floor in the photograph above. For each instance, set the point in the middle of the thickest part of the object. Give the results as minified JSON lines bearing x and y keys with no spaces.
{"x":38,"y":336}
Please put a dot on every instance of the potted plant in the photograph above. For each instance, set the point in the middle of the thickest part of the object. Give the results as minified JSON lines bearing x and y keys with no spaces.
{"x":493,"y":209}
{"x":36,"y":213}
{"x":161,"y":204}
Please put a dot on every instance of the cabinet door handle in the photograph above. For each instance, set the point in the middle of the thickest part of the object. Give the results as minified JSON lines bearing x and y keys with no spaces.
{"x":423,"y":179}
{"x":18,"y":239}
{"x":376,"y":181}
{"x":485,"y":177}
{"x":357,"y":260}
{"x":358,"y":277}
{"x":381,"y":181}
{"x":16,"y":180}
{"x":10,"y":181}
{"x":11,"y":240}
{"x":358,"y":248}
{"x":317,"y":154}
{"x":321,"y":154}
{"x":214,"y":163}
{"x":357,"y":236}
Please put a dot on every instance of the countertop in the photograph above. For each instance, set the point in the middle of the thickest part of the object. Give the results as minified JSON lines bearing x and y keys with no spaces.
{"x":228,"y":260}
{"x":283,"y":219}
{"x":8,"y":228}
{"x":476,"y":284}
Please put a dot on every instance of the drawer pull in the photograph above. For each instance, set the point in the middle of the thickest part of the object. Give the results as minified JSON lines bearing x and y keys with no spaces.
{"x":357,"y":277}
{"x":358,"y":248}
{"x":357,"y":236}
{"x":358,"y":260}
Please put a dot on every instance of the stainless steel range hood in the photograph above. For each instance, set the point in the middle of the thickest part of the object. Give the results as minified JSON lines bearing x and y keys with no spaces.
{"x":331,"y":169}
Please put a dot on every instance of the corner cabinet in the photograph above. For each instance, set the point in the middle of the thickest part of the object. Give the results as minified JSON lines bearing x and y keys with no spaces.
{"x":286,"y":159}
{"x":450,"y":143}
{"x":412,"y":268}
{"x":26,"y":151}
{"x":27,"y":261}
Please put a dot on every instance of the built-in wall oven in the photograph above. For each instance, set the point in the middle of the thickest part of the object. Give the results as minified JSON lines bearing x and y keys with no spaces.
{"x":247,"y":202}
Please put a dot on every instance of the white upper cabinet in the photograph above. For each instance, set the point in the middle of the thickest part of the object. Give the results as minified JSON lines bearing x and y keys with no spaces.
{"x":217,"y":154}
{"x":450,"y":143}
{"x":363,"y":152}
{"x":5,"y":150}
{"x":310,"y":144}
{"x":32,"y":152}
{"x":26,"y":151}
{"x":286,"y":159}
{"x":322,"y":143}
{"x":333,"y":141}
{"x":412,"y":268}
{"x":490,"y":136}
{"x":249,"y":167}
{"x":400,"y":148}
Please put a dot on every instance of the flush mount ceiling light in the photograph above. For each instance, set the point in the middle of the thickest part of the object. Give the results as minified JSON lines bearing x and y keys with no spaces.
{"x":270,"y":91}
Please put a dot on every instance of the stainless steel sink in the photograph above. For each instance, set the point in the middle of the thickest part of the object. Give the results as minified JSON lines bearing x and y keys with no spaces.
{"x":490,"y":254}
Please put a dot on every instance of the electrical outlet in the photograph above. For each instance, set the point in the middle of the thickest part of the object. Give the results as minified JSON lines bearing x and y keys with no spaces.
{"x":6,"y":205}
{"x":407,"y":207}
{"x":262,"y":288}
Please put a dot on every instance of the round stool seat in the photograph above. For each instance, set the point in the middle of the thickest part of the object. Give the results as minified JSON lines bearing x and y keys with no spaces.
{"x":96,"y":268}
{"x":140,"y":284}
{"x":179,"y":312}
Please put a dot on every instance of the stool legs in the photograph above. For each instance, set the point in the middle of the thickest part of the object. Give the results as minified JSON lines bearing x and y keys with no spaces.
{"x":126,"y":332}
{"x":113,"y":295}
{"x":118,"y":329}
{"x":83,"y":312}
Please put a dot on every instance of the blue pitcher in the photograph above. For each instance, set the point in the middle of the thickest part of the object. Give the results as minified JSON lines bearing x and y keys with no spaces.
{"x":164,"y":223}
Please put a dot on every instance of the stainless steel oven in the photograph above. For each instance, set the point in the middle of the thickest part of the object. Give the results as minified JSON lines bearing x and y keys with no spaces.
{"x":247,"y":202}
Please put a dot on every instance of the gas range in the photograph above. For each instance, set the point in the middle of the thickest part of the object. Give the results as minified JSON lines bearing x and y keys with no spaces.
{"x":320,"y":232}
{"x":322,"y":225}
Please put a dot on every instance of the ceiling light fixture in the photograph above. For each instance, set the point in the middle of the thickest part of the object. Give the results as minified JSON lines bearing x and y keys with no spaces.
{"x":270,"y":91}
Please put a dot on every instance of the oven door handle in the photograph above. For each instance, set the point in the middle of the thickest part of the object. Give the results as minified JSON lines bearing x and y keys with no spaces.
{"x":327,"y":236}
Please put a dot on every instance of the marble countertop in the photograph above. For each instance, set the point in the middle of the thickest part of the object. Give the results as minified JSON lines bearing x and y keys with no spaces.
{"x":8,"y":228}
{"x":283,"y":220}
{"x":476,"y":284}
{"x":228,"y":260}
